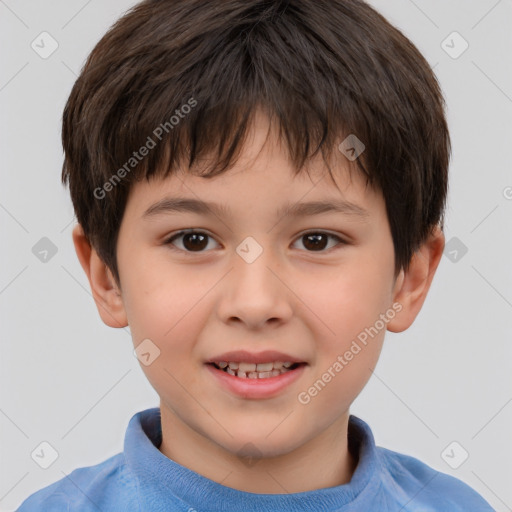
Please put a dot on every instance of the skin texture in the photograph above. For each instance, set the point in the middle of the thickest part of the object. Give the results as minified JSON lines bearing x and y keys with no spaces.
{"x":310,"y":303}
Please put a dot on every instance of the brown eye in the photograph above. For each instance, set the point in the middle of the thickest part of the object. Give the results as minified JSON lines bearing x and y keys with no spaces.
{"x":192,"y":241}
{"x":318,"y":241}
{"x":197,"y":241}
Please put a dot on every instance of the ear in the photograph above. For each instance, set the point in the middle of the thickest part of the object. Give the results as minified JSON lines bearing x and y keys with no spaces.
{"x":411,"y":286}
{"x":104,"y":289}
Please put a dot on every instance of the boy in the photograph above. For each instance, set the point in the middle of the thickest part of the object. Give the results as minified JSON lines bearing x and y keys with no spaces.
{"x":192,"y":123}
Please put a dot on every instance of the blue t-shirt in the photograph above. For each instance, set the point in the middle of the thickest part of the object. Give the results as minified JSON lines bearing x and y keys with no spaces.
{"x":141,"y":478}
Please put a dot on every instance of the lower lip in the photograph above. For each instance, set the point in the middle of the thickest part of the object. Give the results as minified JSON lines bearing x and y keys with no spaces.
{"x":256,"y":388}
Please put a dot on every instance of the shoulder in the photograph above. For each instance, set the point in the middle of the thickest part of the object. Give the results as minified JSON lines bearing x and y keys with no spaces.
{"x":105,"y":486}
{"x":425,"y":488}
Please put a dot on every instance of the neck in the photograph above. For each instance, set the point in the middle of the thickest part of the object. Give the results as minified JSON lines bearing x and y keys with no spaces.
{"x":321,"y":462}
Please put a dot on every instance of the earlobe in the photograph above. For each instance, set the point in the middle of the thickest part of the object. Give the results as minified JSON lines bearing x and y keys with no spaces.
{"x":412,"y":285}
{"x":105,"y":291}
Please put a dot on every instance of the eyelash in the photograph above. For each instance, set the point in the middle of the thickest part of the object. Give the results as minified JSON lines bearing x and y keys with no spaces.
{"x":169,"y":241}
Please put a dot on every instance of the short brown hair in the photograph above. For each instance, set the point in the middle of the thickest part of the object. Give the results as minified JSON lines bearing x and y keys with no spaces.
{"x":324,"y":68}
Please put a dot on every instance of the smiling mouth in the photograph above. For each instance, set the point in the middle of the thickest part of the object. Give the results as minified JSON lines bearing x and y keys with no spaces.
{"x":256,"y":371}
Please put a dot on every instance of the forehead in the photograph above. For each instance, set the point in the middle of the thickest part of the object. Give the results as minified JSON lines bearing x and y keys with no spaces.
{"x":262,"y":177}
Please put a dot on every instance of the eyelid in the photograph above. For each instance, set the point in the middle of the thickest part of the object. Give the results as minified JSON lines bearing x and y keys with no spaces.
{"x":169,"y":239}
{"x":342,"y":241}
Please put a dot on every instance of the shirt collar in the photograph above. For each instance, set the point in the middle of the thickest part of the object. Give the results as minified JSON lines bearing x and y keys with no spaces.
{"x":161,"y":480}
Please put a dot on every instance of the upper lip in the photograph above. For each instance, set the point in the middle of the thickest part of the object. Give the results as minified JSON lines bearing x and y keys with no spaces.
{"x":243,"y":356}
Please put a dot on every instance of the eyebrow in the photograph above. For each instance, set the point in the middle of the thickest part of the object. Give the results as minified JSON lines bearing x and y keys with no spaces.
{"x":191,"y":205}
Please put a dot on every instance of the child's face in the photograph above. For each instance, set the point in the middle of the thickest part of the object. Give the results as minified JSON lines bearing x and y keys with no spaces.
{"x":308,"y":300}
{"x":305,"y":302}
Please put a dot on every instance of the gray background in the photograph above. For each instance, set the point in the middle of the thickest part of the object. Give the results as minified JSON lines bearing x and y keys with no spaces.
{"x":71,"y":381}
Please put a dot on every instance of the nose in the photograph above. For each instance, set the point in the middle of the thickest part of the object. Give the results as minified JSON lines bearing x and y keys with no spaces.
{"x":255,"y":293}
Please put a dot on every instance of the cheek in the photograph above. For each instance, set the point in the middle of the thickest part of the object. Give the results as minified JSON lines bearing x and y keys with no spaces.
{"x":348,"y":346}
{"x":347,"y":304}
{"x":164,"y":308}
{"x":344,"y":300}
{"x":163,"y":303}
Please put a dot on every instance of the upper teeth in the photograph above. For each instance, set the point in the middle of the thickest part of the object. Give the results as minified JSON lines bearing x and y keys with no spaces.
{"x":253,"y":367}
